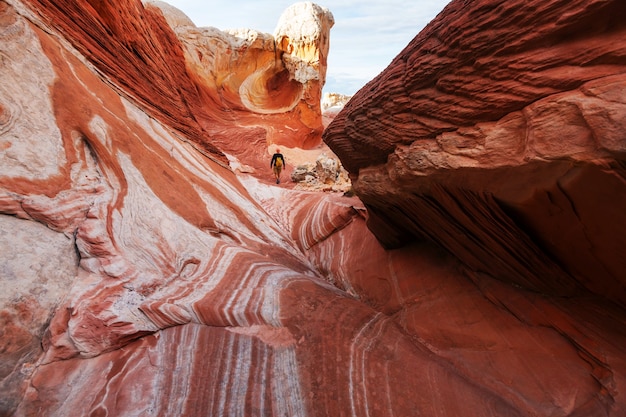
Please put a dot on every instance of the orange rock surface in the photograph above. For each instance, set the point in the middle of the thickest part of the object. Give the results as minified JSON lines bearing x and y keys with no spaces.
{"x":498,"y":135}
{"x":502,"y":142}
{"x":149,"y":267}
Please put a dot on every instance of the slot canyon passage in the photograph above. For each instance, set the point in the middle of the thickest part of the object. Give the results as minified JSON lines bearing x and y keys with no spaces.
{"x":150,"y":266}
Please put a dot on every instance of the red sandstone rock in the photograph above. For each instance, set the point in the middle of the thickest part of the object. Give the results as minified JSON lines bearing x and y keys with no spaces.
{"x":207,"y":84}
{"x":141,"y":276}
{"x":503,"y":142}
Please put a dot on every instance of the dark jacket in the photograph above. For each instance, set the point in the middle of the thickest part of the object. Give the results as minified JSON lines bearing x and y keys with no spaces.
{"x":276,"y":156}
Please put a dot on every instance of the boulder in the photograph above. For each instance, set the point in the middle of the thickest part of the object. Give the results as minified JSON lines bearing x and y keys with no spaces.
{"x":326,"y":174}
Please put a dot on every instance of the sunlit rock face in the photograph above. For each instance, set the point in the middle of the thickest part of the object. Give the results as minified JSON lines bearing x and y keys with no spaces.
{"x":498,"y":133}
{"x":208,"y":84}
{"x":251,"y":73}
{"x":119,"y":217}
{"x":139,"y":275}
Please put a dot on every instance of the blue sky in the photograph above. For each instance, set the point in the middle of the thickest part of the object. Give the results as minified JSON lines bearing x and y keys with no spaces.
{"x":366,"y":36}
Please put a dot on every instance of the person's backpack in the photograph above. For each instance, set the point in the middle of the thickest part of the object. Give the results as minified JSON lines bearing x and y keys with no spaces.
{"x":279,"y":162}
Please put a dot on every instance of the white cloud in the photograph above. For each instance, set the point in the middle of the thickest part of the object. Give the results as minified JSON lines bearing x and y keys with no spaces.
{"x":367,"y":34}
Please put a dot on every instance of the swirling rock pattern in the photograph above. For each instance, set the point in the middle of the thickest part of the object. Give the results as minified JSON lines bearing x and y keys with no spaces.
{"x":140,"y":276}
{"x":280,"y":75}
{"x":208,"y":84}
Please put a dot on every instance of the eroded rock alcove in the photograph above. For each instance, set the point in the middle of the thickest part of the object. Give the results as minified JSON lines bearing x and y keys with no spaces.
{"x":149,"y":267}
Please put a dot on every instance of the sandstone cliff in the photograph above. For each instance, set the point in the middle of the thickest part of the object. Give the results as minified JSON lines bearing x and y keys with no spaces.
{"x":498,"y":134}
{"x":143,"y":272}
{"x":503,"y":142}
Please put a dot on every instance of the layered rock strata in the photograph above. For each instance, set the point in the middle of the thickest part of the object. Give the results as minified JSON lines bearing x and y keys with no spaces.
{"x":502,"y":141}
{"x":140,"y":276}
{"x":208,"y":84}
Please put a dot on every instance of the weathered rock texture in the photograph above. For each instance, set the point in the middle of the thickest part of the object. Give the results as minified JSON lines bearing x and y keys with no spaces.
{"x":499,"y":135}
{"x":208,"y":84}
{"x":140,"y":276}
{"x":503,"y":141}
{"x":246,"y":74}
{"x":332,"y":104}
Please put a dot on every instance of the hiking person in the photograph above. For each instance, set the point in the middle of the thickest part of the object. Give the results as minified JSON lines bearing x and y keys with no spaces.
{"x":278,"y":161}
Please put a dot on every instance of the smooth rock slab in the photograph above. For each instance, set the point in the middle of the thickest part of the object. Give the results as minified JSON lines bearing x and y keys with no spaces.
{"x":37,"y":268}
